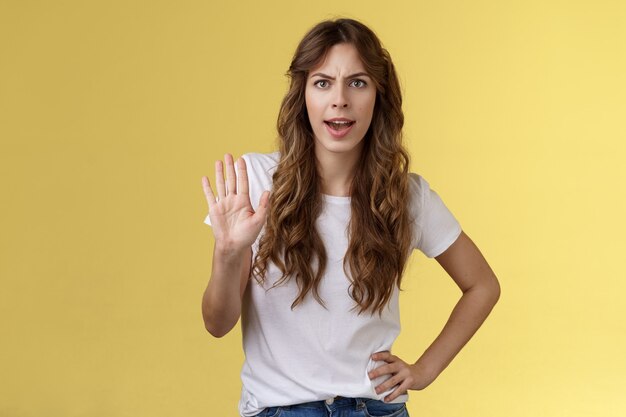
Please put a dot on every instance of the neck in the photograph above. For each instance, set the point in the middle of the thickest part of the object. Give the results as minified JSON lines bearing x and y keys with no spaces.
{"x":336,"y":171}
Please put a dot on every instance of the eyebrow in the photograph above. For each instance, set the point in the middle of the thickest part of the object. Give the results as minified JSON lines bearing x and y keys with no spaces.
{"x":358,"y":74}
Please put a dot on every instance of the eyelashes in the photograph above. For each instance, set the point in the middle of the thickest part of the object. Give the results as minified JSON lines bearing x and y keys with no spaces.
{"x":361,"y":83}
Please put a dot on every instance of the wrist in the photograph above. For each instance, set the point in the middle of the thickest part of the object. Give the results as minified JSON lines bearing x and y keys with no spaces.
{"x":229,"y":250}
{"x":427,"y":372}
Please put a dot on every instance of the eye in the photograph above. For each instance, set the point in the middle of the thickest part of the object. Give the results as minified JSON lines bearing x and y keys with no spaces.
{"x":359,"y":83}
{"x":319,"y":83}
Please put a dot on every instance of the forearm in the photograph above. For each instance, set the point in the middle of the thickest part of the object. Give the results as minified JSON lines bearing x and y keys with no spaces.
{"x":221,"y":302}
{"x":467,"y":316}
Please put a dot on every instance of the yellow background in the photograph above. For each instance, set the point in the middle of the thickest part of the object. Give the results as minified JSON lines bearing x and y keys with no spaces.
{"x":111,"y":111}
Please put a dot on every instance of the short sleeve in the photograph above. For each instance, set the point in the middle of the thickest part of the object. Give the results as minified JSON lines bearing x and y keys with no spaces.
{"x":434,"y":226}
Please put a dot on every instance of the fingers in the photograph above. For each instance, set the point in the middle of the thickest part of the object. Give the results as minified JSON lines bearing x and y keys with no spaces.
{"x":389,"y":368}
{"x":231,"y":181}
{"x":261,"y":210}
{"x":228,"y":186}
{"x":384,"y":355}
{"x":263,"y":204}
{"x":402,"y":389}
{"x":388,"y":384}
{"x":219,"y":180}
{"x":208,"y":192}
{"x":399,"y":378}
{"x":231,"y":177}
{"x":242,"y":177}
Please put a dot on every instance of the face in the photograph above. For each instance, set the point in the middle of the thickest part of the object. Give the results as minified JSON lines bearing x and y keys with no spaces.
{"x":340,"y":99}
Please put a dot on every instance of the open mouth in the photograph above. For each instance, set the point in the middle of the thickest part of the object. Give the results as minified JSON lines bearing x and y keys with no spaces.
{"x":339,"y":125}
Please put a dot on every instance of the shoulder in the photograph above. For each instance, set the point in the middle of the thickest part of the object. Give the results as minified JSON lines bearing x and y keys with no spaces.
{"x":435,"y":226}
{"x":258,"y":158}
{"x":416,"y":181}
{"x":422,"y":197}
{"x":260,"y":163}
{"x":418,"y":188}
{"x":260,"y":168}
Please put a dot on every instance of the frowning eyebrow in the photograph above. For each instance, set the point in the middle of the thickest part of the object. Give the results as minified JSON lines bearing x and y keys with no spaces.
{"x":358,"y":74}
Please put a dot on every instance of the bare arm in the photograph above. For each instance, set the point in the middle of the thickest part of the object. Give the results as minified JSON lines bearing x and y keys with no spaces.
{"x":481,"y":290}
{"x":221,"y":302}
{"x":235,"y":227}
{"x":466,"y":265}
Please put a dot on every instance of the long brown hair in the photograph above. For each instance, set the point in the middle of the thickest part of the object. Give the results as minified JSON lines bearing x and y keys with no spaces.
{"x":379,"y":229}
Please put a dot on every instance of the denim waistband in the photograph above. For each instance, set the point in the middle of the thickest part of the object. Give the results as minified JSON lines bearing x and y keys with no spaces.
{"x":334,"y":402}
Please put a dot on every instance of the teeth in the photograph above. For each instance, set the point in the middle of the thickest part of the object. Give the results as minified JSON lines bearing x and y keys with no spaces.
{"x":339,"y":125}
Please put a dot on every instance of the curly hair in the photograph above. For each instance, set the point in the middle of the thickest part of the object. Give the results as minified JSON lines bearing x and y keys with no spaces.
{"x":379,"y":228}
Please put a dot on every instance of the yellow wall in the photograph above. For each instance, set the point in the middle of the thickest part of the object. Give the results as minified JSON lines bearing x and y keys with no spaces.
{"x":111,"y":111}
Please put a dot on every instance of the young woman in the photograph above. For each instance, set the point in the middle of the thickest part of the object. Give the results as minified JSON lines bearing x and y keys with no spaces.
{"x":314,"y":267}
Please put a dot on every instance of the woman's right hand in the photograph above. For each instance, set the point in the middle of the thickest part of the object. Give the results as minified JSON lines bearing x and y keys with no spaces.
{"x":235,"y":223}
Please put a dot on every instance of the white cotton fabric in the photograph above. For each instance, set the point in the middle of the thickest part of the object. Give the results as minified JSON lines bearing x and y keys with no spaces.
{"x":314,"y":353}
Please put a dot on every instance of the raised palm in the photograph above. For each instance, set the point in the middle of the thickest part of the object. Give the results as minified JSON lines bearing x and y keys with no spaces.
{"x":235,"y":223}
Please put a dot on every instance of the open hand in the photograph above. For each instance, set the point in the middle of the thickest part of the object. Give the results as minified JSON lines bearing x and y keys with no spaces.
{"x":235,"y":223}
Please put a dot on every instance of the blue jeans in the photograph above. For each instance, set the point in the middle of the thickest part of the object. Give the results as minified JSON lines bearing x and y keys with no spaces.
{"x":339,"y":407}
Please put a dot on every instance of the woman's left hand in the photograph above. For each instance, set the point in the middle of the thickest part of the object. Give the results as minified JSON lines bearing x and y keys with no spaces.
{"x":404,"y":375}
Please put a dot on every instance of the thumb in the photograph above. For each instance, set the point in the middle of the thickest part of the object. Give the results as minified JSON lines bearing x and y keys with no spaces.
{"x":263,"y":204}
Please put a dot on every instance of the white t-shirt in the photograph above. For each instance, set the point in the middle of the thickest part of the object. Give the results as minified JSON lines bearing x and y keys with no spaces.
{"x":314,"y":353}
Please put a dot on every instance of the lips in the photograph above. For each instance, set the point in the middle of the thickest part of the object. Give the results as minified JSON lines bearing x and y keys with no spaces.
{"x":339,"y":128}
{"x":339,"y":123}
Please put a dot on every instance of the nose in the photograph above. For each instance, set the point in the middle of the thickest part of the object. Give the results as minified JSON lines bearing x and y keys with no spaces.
{"x":340,"y":100}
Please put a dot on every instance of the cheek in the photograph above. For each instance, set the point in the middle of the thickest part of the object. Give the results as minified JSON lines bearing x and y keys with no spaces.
{"x":372,"y":103}
{"x":309,"y":101}
{"x":366,"y":103}
{"x":368,"y":108}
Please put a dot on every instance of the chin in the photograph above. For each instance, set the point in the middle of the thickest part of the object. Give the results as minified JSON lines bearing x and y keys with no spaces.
{"x":338,"y":147}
